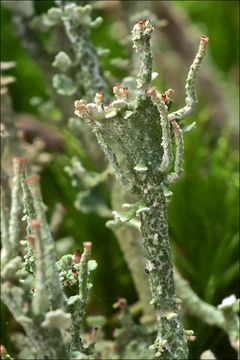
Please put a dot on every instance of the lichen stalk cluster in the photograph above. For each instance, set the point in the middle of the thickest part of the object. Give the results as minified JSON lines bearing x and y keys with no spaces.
{"x":77,"y":22}
{"x":143,"y":133}
{"x":38,"y":290}
{"x":80,"y":302}
{"x":52,"y":281}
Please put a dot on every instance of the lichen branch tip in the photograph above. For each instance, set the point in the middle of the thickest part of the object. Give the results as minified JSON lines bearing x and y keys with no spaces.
{"x":204,"y":38}
{"x":36,"y":223}
{"x":33,"y":179}
{"x":87,"y":245}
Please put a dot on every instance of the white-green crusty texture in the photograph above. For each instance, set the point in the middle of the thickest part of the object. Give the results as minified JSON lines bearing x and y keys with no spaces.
{"x":77,"y":22}
{"x":38,"y":290}
{"x":143,"y":133}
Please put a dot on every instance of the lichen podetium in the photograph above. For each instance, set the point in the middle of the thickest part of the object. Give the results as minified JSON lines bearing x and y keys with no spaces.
{"x":143,"y":132}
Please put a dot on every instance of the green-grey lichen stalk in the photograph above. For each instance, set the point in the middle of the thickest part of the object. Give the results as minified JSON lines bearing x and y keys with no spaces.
{"x":224,"y":316}
{"x":14,"y":229}
{"x":230,"y":309}
{"x":77,"y":23}
{"x":159,"y":267}
{"x":191,"y":94}
{"x":52,"y":281}
{"x":142,"y":45}
{"x":17,"y":285}
{"x":40,"y":300}
{"x":143,"y":132}
{"x":81,"y":300}
{"x":43,"y":296}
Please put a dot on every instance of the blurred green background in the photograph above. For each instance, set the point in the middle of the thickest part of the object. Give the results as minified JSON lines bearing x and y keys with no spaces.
{"x":203,"y":212}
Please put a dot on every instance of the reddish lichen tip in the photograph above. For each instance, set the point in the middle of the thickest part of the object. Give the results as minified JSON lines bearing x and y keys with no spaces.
{"x":20,"y":160}
{"x":2,"y":350}
{"x":87,"y":244}
{"x":204,"y":38}
{"x":170,"y":91}
{"x":33,"y":179}
{"x":30,"y":237}
{"x":80,"y":107}
{"x":192,"y":338}
{"x":121,"y":302}
{"x":36,"y":223}
{"x":143,"y":21}
{"x":31,"y":240}
{"x":151,"y":91}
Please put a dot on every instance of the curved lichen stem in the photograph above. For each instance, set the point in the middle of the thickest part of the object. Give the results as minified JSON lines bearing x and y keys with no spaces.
{"x":230,"y":309}
{"x":173,"y":177}
{"x":191,"y":95}
{"x":108,"y":151}
{"x":166,"y":143}
{"x":194,"y":305}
